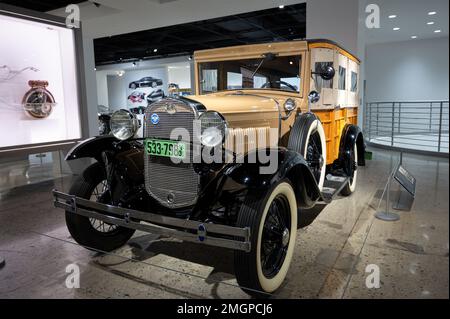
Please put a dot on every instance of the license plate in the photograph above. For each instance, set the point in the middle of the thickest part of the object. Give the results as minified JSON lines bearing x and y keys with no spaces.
{"x":165,"y":148}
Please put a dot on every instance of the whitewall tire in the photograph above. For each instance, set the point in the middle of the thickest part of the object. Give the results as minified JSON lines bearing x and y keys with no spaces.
{"x":351,"y":186}
{"x":307,"y":137}
{"x":272,"y":218}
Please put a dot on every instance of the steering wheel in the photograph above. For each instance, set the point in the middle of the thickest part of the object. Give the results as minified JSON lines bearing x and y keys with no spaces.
{"x":269,"y":84}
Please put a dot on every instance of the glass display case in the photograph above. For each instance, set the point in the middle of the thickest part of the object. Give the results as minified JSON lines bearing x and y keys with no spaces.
{"x":41,"y":105}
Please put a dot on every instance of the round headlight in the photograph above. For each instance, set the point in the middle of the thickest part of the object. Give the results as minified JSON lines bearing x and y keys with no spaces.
{"x":124,"y":124}
{"x":213,"y":128}
{"x":290,"y":105}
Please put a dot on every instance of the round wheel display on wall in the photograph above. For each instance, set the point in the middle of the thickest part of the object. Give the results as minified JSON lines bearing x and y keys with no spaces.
{"x":272,"y":217}
{"x":38,"y":102}
{"x":307,"y":137}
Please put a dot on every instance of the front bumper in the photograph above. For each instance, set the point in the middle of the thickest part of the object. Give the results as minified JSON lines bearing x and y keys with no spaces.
{"x":184,"y":229}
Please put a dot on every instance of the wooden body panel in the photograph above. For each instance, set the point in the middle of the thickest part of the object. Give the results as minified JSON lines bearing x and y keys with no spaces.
{"x":333,"y":122}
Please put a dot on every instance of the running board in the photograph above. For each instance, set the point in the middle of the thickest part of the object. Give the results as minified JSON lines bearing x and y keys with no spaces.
{"x":332,"y":186}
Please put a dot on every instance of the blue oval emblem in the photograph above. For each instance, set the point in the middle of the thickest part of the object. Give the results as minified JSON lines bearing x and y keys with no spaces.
{"x":154,"y":118}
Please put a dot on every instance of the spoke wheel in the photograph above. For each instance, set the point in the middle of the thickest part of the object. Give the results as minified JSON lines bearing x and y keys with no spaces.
{"x":90,"y":232}
{"x":314,"y":155}
{"x":275,"y":236}
{"x":98,"y":195}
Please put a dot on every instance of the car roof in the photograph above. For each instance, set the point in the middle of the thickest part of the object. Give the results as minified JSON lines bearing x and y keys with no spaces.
{"x":282,"y":47}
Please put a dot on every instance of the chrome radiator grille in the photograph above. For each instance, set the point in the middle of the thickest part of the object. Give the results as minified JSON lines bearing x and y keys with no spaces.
{"x":173,"y":185}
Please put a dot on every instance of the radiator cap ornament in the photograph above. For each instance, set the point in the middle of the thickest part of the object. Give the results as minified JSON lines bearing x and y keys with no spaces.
{"x":170,"y":108}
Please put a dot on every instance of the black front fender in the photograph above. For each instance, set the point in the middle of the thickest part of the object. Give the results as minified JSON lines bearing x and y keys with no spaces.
{"x":236,"y":178}
{"x":92,"y":147}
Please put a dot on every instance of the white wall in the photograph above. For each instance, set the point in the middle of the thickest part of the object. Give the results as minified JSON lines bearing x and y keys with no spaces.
{"x":102,"y":88}
{"x":410,"y":70}
{"x":335,"y":20}
{"x":181,"y":75}
{"x":117,"y":92}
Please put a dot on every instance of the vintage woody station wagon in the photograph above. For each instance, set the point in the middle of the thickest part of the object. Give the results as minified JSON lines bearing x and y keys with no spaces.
{"x":198,"y":172}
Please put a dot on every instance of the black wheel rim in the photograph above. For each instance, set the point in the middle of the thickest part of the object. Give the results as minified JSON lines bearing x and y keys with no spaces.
{"x":275,"y":236}
{"x":314,"y":154}
{"x":99,"y":194}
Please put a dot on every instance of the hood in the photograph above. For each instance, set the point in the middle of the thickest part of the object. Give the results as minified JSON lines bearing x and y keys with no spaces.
{"x":229,"y":103}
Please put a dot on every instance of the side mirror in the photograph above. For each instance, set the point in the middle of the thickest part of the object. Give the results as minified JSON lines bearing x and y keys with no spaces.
{"x":269,"y":56}
{"x":327,"y":73}
{"x":313,"y":97}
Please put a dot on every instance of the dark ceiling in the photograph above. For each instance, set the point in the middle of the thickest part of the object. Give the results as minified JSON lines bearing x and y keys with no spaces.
{"x":41,"y":5}
{"x":268,"y":25}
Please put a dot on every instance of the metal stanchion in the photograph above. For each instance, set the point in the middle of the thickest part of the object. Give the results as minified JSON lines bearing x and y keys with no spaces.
{"x":387,"y":215}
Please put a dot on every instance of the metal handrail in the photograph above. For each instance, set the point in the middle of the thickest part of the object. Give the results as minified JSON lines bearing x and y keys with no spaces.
{"x":414,"y":126}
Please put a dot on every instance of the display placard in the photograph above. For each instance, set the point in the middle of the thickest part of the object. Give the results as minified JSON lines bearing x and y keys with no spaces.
{"x":406,"y":179}
{"x":39,"y":82}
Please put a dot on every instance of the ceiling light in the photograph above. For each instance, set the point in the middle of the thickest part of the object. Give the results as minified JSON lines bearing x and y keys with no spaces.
{"x":414,"y":37}
{"x":95,"y":69}
{"x":392,"y":16}
{"x":290,"y":62}
{"x":281,"y":6}
{"x":155,"y":50}
{"x":430,"y":23}
{"x":437,"y":31}
{"x":431,"y":13}
{"x":396,"y":29}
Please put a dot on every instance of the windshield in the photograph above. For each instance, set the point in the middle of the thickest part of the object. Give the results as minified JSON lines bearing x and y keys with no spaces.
{"x":281,"y":73}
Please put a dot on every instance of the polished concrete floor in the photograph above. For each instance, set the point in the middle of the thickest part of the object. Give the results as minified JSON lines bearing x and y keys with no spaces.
{"x":331,"y":257}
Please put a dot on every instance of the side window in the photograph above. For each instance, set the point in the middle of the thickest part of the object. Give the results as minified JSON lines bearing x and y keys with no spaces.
{"x":342,"y":78}
{"x":354,"y":84}
{"x":321,"y":83}
{"x":234,"y":81}
{"x":209,"y":80}
{"x":259,"y":81}
{"x":294,"y":81}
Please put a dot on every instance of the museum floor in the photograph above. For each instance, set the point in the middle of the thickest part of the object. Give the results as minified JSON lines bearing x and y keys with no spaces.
{"x":329,"y":262}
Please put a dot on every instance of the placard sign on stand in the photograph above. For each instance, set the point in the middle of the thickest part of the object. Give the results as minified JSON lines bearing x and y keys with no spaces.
{"x":406,"y":179}
{"x":408,"y":182}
